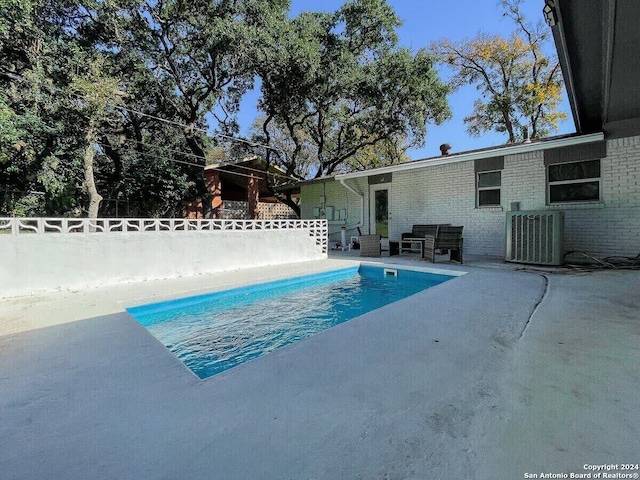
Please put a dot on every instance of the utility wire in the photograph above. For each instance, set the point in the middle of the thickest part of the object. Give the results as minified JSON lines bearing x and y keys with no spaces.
{"x":188,"y":163}
{"x":181,"y":125}
{"x":203,"y":158}
{"x":215,"y":134}
{"x":174,"y":123}
{"x":160,"y":119}
{"x":221,"y":135}
{"x":186,"y":154}
{"x":153,"y":155}
{"x":220,"y":169}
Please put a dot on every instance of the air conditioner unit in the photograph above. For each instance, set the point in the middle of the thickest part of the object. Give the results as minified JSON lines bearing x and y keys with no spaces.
{"x":535,"y":237}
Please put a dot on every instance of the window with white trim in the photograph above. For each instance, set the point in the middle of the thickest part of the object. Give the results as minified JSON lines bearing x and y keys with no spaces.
{"x":574,"y":182}
{"x":488,"y":185}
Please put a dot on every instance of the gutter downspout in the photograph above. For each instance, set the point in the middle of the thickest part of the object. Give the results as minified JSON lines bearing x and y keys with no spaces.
{"x":361,"y":195}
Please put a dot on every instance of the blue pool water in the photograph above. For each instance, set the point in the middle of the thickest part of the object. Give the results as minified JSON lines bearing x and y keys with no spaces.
{"x":214,"y":332}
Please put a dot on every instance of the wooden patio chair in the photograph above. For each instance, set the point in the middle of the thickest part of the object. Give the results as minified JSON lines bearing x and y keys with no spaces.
{"x":370,"y":246}
{"x":448,"y":238}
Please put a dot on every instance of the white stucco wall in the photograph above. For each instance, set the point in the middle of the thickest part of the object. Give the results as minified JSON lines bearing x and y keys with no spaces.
{"x":32,"y":262}
{"x":340,"y":198}
{"x":446,"y":194}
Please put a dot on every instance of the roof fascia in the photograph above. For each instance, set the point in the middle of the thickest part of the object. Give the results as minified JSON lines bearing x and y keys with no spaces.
{"x":560,"y":40}
{"x":465,"y":157}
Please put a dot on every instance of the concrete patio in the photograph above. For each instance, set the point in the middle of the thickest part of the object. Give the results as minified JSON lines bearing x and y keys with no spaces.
{"x":491,"y":375}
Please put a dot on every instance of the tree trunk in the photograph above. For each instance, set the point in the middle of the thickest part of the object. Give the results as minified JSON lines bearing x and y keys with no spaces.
{"x":94,"y":197}
{"x":113,"y":153}
{"x":509,"y":127}
{"x":287,"y":200}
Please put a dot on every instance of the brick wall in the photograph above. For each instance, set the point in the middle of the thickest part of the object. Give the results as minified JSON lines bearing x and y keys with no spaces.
{"x":612,"y":227}
{"x":446,"y":194}
{"x":608,"y":227}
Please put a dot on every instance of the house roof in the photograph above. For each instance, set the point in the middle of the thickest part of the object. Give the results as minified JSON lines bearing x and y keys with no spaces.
{"x":597,"y":43}
{"x":511,"y":149}
{"x":236,"y":175}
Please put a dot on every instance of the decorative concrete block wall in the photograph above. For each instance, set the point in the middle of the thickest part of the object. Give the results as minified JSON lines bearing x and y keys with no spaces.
{"x":45,"y":260}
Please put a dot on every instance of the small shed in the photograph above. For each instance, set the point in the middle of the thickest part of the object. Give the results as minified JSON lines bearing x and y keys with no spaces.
{"x":239,"y":190}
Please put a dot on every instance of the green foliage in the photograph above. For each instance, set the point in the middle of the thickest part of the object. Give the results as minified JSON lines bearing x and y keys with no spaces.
{"x":39,"y":131}
{"x":9,"y":131}
{"x":519,"y":85}
{"x":113,"y":98}
{"x":340,"y":82}
{"x":391,"y":151}
{"x":61,"y":75}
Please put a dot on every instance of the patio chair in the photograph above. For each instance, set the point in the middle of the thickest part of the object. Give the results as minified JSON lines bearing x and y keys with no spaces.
{"x":448,"y":238}
{"x":410,"y":241}
{"x":370,"y":246}
{"x":355,"y":239}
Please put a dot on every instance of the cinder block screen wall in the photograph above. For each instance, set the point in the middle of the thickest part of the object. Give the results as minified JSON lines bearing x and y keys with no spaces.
{"x":33,"y":262}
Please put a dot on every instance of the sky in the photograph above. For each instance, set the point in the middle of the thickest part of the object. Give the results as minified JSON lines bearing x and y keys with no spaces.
{"x":425,"y":21}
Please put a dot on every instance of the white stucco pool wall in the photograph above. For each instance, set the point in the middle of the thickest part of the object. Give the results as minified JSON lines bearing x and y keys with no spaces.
{"x":32,"y":263}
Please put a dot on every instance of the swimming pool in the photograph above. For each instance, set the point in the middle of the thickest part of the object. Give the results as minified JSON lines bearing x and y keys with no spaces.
{"x":214,"y":332}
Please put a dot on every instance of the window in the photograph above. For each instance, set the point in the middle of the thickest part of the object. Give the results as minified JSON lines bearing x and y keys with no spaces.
{"x":574,"y":182}
{"x":488,"y":188}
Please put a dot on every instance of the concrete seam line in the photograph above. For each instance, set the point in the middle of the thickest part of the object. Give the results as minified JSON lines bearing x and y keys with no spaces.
{"x":535,"y":307}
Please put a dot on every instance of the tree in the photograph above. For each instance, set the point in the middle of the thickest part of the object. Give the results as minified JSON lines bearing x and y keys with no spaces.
{"x":196,"y":51}
{"x":337,"y":92}
{"x":391,"y":151}
{"x":340,"y":82}
{"x":41,"y":134}
{"x":194,"y":58}
{"x":387,"y":152}
{"x":520,"y":86}
{"x":176,"y":61}
{"x":98,"y":94}
{"x":277,"y":136}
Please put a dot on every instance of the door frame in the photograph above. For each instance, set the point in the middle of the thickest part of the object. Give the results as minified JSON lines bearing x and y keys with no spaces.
{"x":372,"y":207}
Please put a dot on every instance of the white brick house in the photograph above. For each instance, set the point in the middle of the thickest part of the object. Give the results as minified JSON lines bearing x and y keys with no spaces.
{"x":447,"y":190}
{"x":592,"y":176}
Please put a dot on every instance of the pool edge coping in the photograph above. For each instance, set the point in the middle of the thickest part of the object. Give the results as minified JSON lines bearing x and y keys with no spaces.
{"x":138,"y":302}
